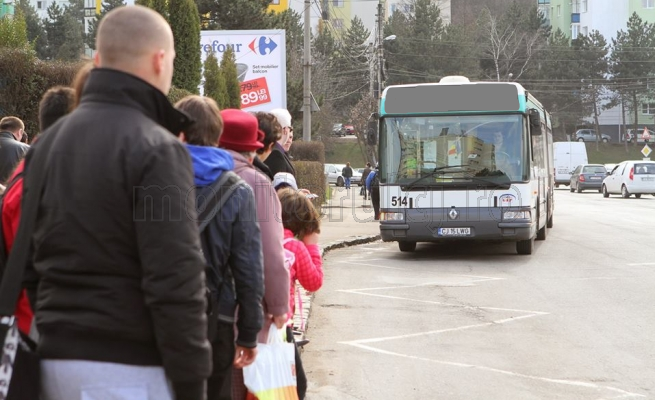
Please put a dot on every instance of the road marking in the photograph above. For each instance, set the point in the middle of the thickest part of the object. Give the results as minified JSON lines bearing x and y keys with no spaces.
{"x":588,"y":385}
{"x":597,"y":278}
{"x":369,"y":265}
{"x":436,"y":283}
{"x":638,"y":264}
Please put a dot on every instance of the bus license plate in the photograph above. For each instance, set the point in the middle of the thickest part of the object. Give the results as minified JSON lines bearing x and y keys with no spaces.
{"x":454,"y":231}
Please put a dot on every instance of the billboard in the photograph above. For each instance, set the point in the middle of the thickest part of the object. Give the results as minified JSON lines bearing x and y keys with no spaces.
{"x":261,"y":64}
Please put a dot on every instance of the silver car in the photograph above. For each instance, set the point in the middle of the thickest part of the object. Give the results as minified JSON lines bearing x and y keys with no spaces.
{"x":589,"y":135}
{"x":333,"y":175}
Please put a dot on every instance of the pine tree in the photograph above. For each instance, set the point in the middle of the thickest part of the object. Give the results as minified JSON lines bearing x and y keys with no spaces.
{"x":234,"y":14}
{"x":232,"y":85}
{"x":185,"y":24}
{"x":107,"y":6}
{"x":36,"y":34}
{"x":72,"y":47}
{"x":214,"y":86}
{"x":55,"y":29}
{"x":145,"y":3}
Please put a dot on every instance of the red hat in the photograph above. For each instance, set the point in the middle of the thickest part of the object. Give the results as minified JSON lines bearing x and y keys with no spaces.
{"x":240,"y":131}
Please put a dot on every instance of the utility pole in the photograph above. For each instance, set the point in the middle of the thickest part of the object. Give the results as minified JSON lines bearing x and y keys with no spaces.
{"x":380,"y":50}
{"x":307,"y":78}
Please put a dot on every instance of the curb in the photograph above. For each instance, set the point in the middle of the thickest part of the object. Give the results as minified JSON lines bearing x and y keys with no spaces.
{"x":307,"y":299}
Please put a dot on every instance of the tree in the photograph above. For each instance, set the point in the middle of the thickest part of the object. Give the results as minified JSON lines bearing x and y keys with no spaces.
{"x":232,"y":85}
{"x":214,"y":86}
{"x":185,"y":24}
{"x":509,"y":42}
{"x":145,"y":3}
{"x":73,"y":45}
{"x":162,"y":7}
{"x":107,"y":6}
{"x":592,"y":50}
{"x":556,"y":82}
{"x":36,"y":34}
{"x":13,"y":32}
{"x":352,"y":75}
{"x":234,"y":14}
{"x":55,"y":29}
{"x":631,"y":62}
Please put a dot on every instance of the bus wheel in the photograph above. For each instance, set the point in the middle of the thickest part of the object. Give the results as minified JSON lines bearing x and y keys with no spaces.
{"x":407,"y":246}
{"x":541,"y":233}
{"x":525,"y":247}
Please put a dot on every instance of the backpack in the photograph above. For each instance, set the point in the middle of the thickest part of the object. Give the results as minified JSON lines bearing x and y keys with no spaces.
{"x":209,"y":201}
{"x":375,"y":182}
{"x":4,"y":256}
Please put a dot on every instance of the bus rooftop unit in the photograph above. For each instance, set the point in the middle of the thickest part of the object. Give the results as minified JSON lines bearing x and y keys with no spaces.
{"x":461,"y":160}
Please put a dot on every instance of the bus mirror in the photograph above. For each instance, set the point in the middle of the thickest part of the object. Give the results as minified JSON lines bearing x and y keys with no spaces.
{"x":372,"y":132}
{"x":535,"y":121}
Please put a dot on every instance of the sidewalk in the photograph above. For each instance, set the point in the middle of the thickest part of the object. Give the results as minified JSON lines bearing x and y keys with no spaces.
{"x":347,"y":221}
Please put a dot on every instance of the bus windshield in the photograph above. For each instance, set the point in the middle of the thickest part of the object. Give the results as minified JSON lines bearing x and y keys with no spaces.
{"x":455,"y":150}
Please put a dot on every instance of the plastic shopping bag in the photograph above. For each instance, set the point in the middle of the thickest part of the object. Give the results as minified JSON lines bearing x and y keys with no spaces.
{"x":273,"y":374}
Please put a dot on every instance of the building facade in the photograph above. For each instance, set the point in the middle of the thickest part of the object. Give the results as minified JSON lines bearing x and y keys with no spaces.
{"x":6,"y":8}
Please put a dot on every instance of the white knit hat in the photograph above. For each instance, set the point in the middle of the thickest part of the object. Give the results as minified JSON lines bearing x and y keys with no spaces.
{"x":282,"y":116}
{"x":284,"y":177}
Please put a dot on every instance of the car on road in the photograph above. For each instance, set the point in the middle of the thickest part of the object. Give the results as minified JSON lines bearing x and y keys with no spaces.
{"x":609,"y":167}
{"x":333,"y":175}
{"x":587,"y":176}
{"x":589,"y":135}
{"x":338,"y":130}
{"x":630,"y":177}
{"x":350,"y":130}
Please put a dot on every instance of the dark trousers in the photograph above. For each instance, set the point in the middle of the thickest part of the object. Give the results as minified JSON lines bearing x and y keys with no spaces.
{"x":301,"y":378}
{"x":375,"y":199}
{"x":219,"y":384}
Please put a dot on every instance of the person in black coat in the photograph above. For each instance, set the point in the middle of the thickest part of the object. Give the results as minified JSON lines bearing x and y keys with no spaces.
{"x":271,"y":133}
{"x":278,"y":160}
{"x":11,"y":149}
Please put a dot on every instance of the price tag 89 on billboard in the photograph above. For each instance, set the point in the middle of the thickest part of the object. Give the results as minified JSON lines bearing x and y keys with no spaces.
{"x":254,"y":92}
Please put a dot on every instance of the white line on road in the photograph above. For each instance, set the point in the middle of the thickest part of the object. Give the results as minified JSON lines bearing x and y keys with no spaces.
{"x":501,"y":371}
{"x":436,"y":283}
{"x":369,"y":265}
{"x":638,"y":264}
{"x":459,"y":328}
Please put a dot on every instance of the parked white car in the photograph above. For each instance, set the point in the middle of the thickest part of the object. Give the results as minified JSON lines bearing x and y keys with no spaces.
{"x":333,"y":175}
{"x":630,"y":177}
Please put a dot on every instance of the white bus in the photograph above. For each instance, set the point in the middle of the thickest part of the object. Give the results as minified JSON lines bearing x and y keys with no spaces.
{"x":463,"y":160}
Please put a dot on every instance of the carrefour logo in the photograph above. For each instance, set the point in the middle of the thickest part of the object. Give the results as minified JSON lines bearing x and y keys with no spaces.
{"x":263,"y":45}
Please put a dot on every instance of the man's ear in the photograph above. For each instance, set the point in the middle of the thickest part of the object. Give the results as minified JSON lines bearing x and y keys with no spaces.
{"x":182,"y":137}
{"x":158,"y":62}
{"x":96,"y":60}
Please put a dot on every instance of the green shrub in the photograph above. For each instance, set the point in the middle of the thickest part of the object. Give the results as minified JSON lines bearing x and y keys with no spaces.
{"x":310,"y":176}
{"x":177,"y":94}
{"x":308,"y":151}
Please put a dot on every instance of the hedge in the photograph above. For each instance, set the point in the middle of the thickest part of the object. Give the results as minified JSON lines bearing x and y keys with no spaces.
{"x":308,"y":151}
{"x":310,"y":176}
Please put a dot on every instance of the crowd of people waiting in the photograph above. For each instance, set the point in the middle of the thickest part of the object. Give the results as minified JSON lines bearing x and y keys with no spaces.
{"x":168,"y":238}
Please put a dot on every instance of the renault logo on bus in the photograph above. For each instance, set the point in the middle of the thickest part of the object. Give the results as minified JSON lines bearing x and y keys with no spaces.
{"x":453,"y":214}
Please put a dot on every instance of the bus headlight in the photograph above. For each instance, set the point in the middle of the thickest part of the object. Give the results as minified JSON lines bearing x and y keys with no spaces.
{"x":516,"y":215}
{"x":392,"y":216}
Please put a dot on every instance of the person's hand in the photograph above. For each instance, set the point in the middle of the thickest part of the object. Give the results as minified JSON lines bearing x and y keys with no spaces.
{"x":311,"y":238}
{"x":244,"y":356}
{"x":304,"y":191}
{"x":280,"y":320}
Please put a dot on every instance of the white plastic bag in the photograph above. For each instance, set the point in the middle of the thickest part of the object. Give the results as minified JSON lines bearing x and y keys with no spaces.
{"x":273,"y":374}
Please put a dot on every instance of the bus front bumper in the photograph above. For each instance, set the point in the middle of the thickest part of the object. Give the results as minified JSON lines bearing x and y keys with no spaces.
{"x":436,"y":225}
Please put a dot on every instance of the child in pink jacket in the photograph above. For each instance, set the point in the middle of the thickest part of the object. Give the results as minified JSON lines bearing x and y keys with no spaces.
{"x":301,"y":223}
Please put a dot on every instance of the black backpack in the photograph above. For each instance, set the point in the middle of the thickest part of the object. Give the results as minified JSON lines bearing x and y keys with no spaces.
{"x":375,"y":181}
{"x":209,"y":201}
{"x":3,"y":245}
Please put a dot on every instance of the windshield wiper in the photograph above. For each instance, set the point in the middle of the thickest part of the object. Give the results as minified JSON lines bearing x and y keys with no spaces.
{"x":436,"y":171}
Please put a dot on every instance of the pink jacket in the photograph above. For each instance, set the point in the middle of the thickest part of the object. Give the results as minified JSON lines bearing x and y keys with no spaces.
{"x":306,"y":269}
{"x":276,"y":275}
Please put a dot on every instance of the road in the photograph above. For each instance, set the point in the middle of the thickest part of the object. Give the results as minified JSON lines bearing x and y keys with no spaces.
{"x":575,"y":320}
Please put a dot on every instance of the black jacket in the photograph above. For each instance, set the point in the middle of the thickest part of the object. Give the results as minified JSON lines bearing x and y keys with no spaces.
{"x":347,"y":172}
{"x":117,"y":257}
{"x":278,"y":161}
{"x":232,"y":245}
{"x":263,"y":168}
{"x":11,"y":152}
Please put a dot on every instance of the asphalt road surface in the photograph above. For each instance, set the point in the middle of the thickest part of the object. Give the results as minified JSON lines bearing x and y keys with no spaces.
{"x":575,"y":320}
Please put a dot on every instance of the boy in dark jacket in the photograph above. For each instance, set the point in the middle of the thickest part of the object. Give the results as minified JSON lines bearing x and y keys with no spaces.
{"x":232,"y":246}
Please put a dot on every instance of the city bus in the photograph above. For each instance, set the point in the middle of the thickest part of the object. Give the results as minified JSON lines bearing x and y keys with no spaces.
{"x":464,"y":161}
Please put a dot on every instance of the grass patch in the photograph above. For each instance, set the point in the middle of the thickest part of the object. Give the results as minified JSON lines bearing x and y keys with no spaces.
{"x":612,"y":153}
{"x":341,"y":151}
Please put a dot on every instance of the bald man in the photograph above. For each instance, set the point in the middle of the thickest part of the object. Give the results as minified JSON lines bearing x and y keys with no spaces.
{"x":117,"y":276}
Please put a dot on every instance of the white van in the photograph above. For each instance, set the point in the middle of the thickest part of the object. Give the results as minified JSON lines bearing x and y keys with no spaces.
{"x":567,"y":156}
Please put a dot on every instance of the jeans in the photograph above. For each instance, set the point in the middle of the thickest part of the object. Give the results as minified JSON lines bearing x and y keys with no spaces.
{"x":347,"y":183}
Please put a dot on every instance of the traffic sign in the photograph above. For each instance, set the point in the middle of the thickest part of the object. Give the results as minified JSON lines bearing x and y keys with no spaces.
{"x":646,"y":150}
{"x":646,"y":134}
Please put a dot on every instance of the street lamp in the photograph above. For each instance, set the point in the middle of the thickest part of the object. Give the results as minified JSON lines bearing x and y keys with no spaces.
{"x":381,"y":60}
